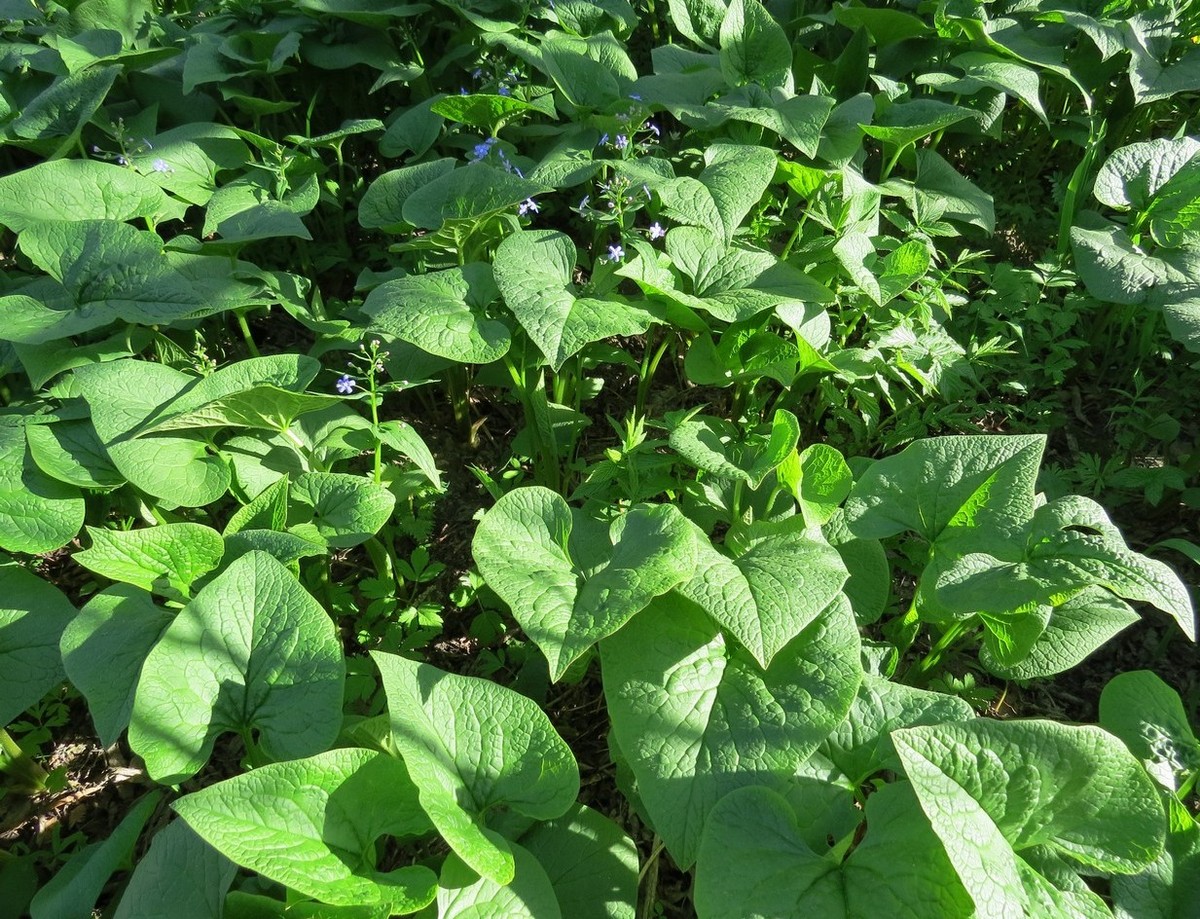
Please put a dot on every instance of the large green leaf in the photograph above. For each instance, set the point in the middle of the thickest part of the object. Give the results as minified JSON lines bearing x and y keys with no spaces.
{"x":468,"y":194}
{"x":1133,"y":175}
{"x":568,"y":581}
{"x":464,"y":894}
{"x":122,"y":396}
{"x":346,"y":509}
{"x":442,"y":312}
{"x":777,"y":581}
{"x":252,"y":652}
{"x":170,"y":555}
{"x":1073,"y":789}
{"x":73,"y":891}
{"x":476,"y":749}
{"x":181,"y":877}
{"x":103,"y":648}
{"x":1149,"y":717}
{"x":311,"y":824}
{"x":940,"y":482}
{"x":383,"y":203}
{"x":33,"y":615}
{"x":71,"y":452}
{"x":65,"y":105}
{"x":81,"y":190}
{"x":754,"y":863}
{"x":732,"y":181}
{"x":534,"y":270}
{"x":754,"y":47}
{"x":37,"y":513}
{"x":904,"y":123}
{"x":591,"y":863}
{"x":696,"y":717}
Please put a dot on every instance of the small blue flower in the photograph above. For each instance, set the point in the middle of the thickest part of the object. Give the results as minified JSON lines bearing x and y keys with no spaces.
{"x":603,"y":139}
{"x":621,"y":142}
{"x":657,"y":231}
{"x":635,"y":97}
{"x":583,"y":202}
{"x":615,"y":252}
{"x":345,"y":384}
{"x":161,"y":165}
{"x":482,"y":149}
{"x":528,"y":206}
{"x":653,"y":129}
{"x":121,"y":161}
{"x":504,"y":91}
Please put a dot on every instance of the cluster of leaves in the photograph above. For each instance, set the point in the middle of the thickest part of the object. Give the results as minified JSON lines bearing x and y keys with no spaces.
{"x":748,"y":234}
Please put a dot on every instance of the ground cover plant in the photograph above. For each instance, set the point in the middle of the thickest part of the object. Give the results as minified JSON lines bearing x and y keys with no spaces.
{"x":581,"y":459}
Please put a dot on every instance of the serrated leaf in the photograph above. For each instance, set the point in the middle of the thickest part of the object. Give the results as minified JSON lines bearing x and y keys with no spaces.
{"x":696,"y":717}
{"x":252,"y":651}
{"x":474,"y":749}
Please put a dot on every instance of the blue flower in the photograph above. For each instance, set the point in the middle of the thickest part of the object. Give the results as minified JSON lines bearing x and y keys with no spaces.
{"x":504,"y":91}
{"x":161,"y":165}
{"x":635,"y":97}
{"x":583,"y":202}
{"x":603,"y":139}
{"x":345,"y":384}
{"x":657,"y":231}
{"x":482,"y":149}
{"x":528,"y":206}
{"x":621,"y":142}
{"x":615,"y":252}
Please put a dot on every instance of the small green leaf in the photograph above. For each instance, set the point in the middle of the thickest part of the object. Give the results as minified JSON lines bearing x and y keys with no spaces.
{"x":476,"y":749}
{"x":1149,"y":717}
{"x":464,"y":894}
{"x":252,"y":651}
{"x":754,"y":47}
{"x":181,"y":877}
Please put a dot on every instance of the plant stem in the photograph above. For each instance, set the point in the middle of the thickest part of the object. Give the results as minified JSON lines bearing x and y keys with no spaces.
{"x":20,"y":765}
{"x":246,"y":336}
{"x":931,"y":660}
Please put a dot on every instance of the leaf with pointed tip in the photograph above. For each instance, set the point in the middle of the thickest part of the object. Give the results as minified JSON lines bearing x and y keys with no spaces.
{"x":697,"y":717}
{"x":533,"y":270}
{"x":171,"y":555}
{"x":531,"y":551}
{"x":1149,"y":717}
{"x":346,"y":509}
{"x":311,"y":824}
{"x":475,"y":749}
{"x":33,"y":615}
{"x":181,"y":877}
{"x":442,"y":312}
{"x":37,"y":513}
{"x":252,"y":651}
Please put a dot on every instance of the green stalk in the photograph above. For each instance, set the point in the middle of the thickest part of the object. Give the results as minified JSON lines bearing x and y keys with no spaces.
{"x":246,"y":336}
{"x":30,"y":777}
{"x":931,"y":660}
{"x":1075,"y":187}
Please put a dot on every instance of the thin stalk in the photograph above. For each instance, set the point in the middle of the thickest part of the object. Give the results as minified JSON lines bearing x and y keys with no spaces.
{"x":650,"y":364}
{"x":246,"y":336}
{"x":931,"y":660}
{"x":891,"y":164}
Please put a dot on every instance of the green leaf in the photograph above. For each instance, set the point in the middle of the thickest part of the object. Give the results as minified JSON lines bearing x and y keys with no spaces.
{"x":264,"y":407}
{"x":267,"y":511}
{"x":181,"y":877}
{"x":696,"y":717}
{"x":486,"y":111}
{"x":941,"y":189}
{"x":1074,"y":789}
{"x":476,"y":749}
{"x":904,"y":123}
{"x":33,"y":615}
{"x":699,"y":20}
{"x":73,"y":892}
{"x":779,"y":580}
{"x":754,"y":863}
{"x":464,"y":894}
{"x":586,"y":76}
{"x":976,"y":481}
{"x":533,"y":270}
{"x":171,"y":555}
{"x":1134,"y":174}
{"x":122,"y":396}
{"x":1149,"y":717}
{"x":732,"y":182}
{"x":311,"y":824}
{"x":346,"y":509}
{"x":466,"y":195}
{"x":442,"y":312}
{"x":65,"y":106}
{"x":81,"y":190}
{"x":568,"y":582}
{"x":1114,"y":269}
{"x":819,"y":479}
{"x":71,"y":452}
{"x":754,"y":48}
{"x":861,"y":745}
{"x":37,"y":513}
{"x":383,"y":203}
{"x":103,"y":648}
{"x":591,"y":863}
{"x":797,"y":119}
{"x":252,"y":651}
